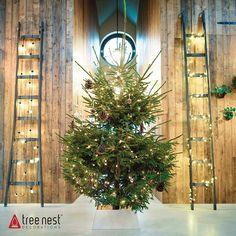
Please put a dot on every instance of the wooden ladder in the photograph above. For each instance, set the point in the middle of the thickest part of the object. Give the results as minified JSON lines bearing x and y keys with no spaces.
{"x":25,"y":161}
{"x":197,"y":74}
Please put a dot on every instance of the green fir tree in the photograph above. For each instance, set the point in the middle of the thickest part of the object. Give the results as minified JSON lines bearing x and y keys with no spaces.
{"x":110,"y":157}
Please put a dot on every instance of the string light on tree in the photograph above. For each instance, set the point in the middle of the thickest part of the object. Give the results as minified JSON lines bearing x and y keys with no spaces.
{"x":121,"y":102}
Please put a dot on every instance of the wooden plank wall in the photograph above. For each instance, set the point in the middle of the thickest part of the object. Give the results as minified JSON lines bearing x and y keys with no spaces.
{"x":2,"y":36}
{"x":174,"y":106}
{"x":163,"y":31}
{"x":148,"y":42}
{"x":221,"y":40}
{"x":57,"y":96}
{"x":86,"y":36}
{"x":57,"y":93}
{"x":223,"y":57}
{"x":60,"y":90}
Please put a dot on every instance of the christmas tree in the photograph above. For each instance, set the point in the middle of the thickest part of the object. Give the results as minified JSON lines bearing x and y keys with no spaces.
{"x":110,"y":157}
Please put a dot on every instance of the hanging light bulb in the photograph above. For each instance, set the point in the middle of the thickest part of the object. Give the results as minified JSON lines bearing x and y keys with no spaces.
{"x":31,"y":190}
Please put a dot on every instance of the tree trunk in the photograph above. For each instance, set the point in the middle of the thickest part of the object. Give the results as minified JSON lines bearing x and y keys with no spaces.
{"x":115,"y":207}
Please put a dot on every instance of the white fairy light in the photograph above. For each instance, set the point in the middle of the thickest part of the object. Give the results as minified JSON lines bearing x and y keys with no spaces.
{"x":117,"y":90}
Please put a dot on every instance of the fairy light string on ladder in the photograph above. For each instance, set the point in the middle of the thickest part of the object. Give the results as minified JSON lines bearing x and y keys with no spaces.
{"x":194,"y":42}
{"x":25,"y":112}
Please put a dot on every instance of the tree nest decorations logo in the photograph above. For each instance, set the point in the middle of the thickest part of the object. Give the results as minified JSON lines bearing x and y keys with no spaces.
{"x":35,"y":222}
{"x":14,"y":223}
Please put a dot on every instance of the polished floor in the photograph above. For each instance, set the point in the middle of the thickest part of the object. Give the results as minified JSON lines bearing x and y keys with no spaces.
{"x":159,"y":219}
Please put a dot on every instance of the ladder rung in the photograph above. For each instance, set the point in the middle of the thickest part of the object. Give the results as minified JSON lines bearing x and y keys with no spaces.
{"x":28,"y":56}
{"x":199,"y":139}
{"x":204,"y":95}
{"x":27,"y":77}
{"x":27,"y":139}
{"x":201,"y":161}
{"x":195,"y":35}
{"x":198,"y":75}
{"x":36,"y":183}
{"x":199,"y":117}
{"x":28,"y":97}
{"x":200,"y":184}
{"x":196,"y":54}
{"x":27,"y":118}
{"x":27,"y":161}
{"x":30,"y":36}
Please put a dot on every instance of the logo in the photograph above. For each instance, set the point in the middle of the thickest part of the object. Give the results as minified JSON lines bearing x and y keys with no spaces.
{"x":26,"y":222}
{"x":14,"y":224}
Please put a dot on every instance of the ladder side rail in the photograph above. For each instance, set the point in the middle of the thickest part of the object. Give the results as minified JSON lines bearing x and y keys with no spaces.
{"x":188,"y":111}
{"x":39,"y":115}
{"x":8,"y":179}
{"x":210,"y":111}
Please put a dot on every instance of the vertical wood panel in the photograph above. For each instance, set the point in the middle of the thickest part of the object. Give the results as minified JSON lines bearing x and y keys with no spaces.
{"x":148,"y":45}
{"x":221,"y":40}
{"x":2,"y":71}
{"x":9,"y":61}
{"x":57,"y":86}
{"x":86,"y":36}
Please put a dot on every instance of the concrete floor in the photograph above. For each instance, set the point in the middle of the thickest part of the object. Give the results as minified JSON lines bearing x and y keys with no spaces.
{"x":159,"y":219}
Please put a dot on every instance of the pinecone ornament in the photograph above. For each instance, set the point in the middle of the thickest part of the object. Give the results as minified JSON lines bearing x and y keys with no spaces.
{"x":141,"y":128}
{"x":129,"y":101}
{"x":160,"y":187}
{"x":103,"y":116}
{"x":88,"y":84}
{"x":101,"y":148}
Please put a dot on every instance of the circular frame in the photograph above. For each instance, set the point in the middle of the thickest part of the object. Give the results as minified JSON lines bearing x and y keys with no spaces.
{"x":114,"y":35}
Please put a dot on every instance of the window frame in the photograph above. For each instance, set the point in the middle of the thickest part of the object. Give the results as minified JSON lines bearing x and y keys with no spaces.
{"x":114,"y":35}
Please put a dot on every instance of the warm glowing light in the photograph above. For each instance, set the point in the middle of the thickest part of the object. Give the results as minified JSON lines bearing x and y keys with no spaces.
{"x":23,"y":141}
{"x":117,"y":90}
